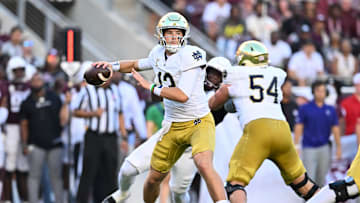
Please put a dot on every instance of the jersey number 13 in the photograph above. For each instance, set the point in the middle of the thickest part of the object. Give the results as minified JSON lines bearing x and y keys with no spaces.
{"x":166,"y":77}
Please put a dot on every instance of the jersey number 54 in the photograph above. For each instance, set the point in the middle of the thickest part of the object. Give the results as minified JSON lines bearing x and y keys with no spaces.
{"x":272,"y":90}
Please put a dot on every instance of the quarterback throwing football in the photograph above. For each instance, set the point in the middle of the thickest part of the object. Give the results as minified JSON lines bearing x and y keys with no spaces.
{"x":180,"y":73}
{"x":183,"y":172}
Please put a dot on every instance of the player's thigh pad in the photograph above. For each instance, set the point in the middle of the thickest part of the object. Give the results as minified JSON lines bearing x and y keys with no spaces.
{"x":198,"y":133}
{"x":183,"y":172}
{"x":283,"y":152}
{"x":252,"y":149}
{"x":203,"y":138}
{"x":169,"y":149}
{"x":140,"y":158}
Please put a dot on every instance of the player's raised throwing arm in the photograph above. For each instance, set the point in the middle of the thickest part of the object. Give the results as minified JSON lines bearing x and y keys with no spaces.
{"x":125,"y":66}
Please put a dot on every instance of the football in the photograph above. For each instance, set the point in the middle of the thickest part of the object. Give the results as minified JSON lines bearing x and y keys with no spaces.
{"x":97,"y":76}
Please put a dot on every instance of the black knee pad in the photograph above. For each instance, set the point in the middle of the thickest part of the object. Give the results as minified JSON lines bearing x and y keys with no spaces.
{"x":232,"y":188}
{"x":311,"y":192}
{"x":341,"y":190}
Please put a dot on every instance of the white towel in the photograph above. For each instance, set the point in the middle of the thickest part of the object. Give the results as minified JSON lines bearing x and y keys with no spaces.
{"x":165,"y":127}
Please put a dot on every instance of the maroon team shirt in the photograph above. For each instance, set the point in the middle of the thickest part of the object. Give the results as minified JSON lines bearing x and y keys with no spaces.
{"x":350,"y":108}
{"x":16,"y":93}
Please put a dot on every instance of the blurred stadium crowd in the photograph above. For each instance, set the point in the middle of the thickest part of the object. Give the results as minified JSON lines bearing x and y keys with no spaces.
{"x":309,"y":39}
{"x":285,"y":26}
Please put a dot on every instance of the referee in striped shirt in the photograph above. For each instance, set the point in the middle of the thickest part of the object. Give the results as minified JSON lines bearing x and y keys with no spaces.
{"x":102,"y":107}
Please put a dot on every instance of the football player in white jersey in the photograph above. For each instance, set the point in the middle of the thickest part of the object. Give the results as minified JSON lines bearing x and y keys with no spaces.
{"x":179,"y":70}
{"x":255,"y":89}
{"x":184,"y":169}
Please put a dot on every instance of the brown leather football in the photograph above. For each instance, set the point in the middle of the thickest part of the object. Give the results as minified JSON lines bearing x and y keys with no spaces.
{"x":97,"y":76}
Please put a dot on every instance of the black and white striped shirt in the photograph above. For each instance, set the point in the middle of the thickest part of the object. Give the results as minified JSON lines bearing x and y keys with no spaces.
{"x":91,"y":98}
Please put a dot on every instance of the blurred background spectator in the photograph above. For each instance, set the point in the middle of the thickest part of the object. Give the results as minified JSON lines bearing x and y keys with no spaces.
{"x":314,"y":124}
{"x":231,"y":34}
{"x":51,"y":69}
{"x":309,"y":10}
{"x":42,"y":116}
{"x":280,"y":50}
{"x":16,"y":90}
{"x":331,"y":50}
{"x":259,"y":24}
{"x":319,"y":35}
{"x":334,"y":22}
{"x":345,"y":64}
{"x":246,"y":6}
{"x":29,"y":56}
{"x":13,"y":46}
{"x":214,"y":16}
{"x":291,"y":26}
{"x":297,"y":40}
{"x":3,"y":36}
{"x":192,"y":9}
{"x":348,"y":19}
{"x":281,"y":11}
{"x":306,"y":65}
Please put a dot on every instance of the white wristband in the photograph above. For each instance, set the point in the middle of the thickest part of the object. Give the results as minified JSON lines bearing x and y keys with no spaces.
{"x":115,"y":65}
{"x":157,"y":90}
{"x":297,"y":146}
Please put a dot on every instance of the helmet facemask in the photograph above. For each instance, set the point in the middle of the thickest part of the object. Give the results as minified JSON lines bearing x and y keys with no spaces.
{"x":216,"y":72}
{"x":248,"y":60}
{"x":18,"y":74}
{"x":172,"y":48}
{"x":212,"y":75}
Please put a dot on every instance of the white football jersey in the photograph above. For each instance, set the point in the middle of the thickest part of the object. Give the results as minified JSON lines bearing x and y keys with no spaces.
{"x":168,"y":73}
{"x":256,"y":92}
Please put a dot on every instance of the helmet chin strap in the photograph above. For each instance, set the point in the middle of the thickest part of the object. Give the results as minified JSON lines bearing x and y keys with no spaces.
{"x":172,"y":49}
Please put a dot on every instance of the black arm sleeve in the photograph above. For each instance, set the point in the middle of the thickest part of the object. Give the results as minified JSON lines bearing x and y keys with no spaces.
{"x":229,"y":106}
{"x":219,"y":115}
